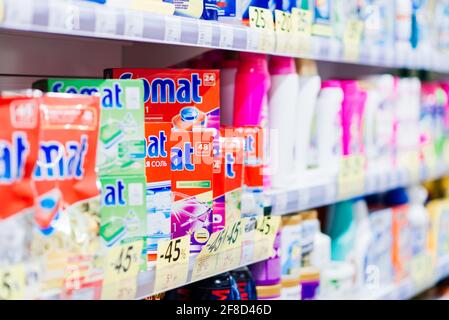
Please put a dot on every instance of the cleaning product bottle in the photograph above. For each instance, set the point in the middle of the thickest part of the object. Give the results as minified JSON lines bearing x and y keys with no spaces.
{"x":363,"y":241}
{"x":281,"y":115}
{"x":221,"y":287}
{"x":228,"y":73}
{"x":291,"y":238}
{"x":210,"y":11}
{"x":341,"y":229}
{"x":245,"y":283}
{"x":321,"y":253}
{"x":419,"y":219}
{"x":309,"y":86}
{"x":328,"y":127}
{"x":251,"y":92}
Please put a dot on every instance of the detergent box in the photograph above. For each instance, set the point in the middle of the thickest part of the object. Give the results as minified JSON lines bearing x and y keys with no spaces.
{"x":191,"y":161}
{"x":120,"y":156}
{"x":186,"y":100}
{"x":19,"y":146}
{"x":158,"y":184}
{"x":253,"y":172}
{"x":228,"y":181}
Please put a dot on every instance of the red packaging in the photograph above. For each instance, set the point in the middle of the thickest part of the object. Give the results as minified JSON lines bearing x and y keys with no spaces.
{"x":65,"y":170}
{"x":19,"y":143}
{"x":228,"y":181}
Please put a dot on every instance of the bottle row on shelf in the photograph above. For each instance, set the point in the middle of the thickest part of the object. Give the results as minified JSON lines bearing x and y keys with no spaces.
{"x":401,"y":33}
{"x":146,"y":160}
{"x":386,"y":246}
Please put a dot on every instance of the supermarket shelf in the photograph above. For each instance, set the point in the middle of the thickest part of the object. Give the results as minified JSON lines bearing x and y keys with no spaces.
{"x":326,"y":192}
{"x":84,"y":19}
{"x":407,"y":289}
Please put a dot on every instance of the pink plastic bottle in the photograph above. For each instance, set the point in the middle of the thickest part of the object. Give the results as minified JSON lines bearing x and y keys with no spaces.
{"x":252,"y":84}
{"x":352,"y":117}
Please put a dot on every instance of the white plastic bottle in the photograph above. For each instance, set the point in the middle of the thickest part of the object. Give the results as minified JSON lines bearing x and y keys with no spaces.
{"x":227,"y":89}
{"x":282,"y":106}
{"x":309,"y":87}
{"x":328,"y":127}
{"x":419,"y":219}
{"x":321,"y":253}
{"x":363,"y":240}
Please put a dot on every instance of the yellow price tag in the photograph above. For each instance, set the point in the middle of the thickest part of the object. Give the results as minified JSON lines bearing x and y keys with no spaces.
{"x":264,"y":237}
{"x":421,"y":270}
{"x":430,"y":158}
{"x":351,"y":176}
{"x":352,"y":38}
{"x":172,"y":266}
{"x":411,"y":161}
{"x":260,"y":18}
{"x":122,"y":266}
{"x":231,"y":250}
{"x":12,"y":283}
{"x":123,"y":262}
{"x":302,"y":30}
{"x":283,"y":26}
{"x":206,"y":261}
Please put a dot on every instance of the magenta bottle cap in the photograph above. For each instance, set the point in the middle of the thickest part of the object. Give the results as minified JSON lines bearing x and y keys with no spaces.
{"x":282,"y":65}
{"x":331,"y":84}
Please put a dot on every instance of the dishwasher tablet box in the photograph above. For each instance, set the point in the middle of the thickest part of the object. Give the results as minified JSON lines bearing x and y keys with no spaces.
{"x":191,"y":162}
{"x":158,"y":184}
{"x":228,"y":181}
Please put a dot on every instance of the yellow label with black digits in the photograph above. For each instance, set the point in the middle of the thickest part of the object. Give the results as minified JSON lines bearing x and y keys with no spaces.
{"x":264,"y":237}
{"x":261,"y":18}
{"x":123,"y":262}
{"x":12,"y":283}
{"x":351,"y":176}
{"x":172,"y":265}
{"x":352,"y":38}
{"x":283,"y":26}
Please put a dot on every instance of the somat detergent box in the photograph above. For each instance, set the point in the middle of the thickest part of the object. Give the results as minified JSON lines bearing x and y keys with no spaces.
{"x":19,"y":145}
{"x":228,"y":181}
{"x":158,"y":188}
{"x":191,"y":161}
{"x":253,"y":172}
{"x":120,"y":156}
{"x":186,"y":100}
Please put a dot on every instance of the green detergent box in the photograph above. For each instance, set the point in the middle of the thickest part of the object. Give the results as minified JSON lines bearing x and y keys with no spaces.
{"x":120,"y":154}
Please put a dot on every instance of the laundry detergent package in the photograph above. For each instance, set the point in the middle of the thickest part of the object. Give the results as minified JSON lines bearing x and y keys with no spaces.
{"x":67,"y":214}
{"x":322,"y":18}
{"x":253,"y":172}
{"x":189,"y":100}
{"x":158,"y":184}
{"x":19,"y":145}
{"x":228,"y":181}
{"x":191,"y":162}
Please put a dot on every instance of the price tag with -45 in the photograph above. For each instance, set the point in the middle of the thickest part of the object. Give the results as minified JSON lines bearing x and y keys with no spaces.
{"x":172,"y":265}
{"x":231,"y":250}
{"x":122,"y":266}
{"x":265,"y":234}
{"x":12,"y":283}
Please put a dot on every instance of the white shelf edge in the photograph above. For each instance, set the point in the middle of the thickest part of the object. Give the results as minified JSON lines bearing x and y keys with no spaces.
{"x":84,"y":19}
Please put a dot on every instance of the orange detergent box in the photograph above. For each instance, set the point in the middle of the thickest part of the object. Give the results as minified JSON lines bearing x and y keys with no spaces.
{"x":191,"y":161}
{"x":253,"y":173}
{"x":158,"y":189}
{"x":228,"y":181}
{"x":19,"y":145}
{"x":189,"y":101}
